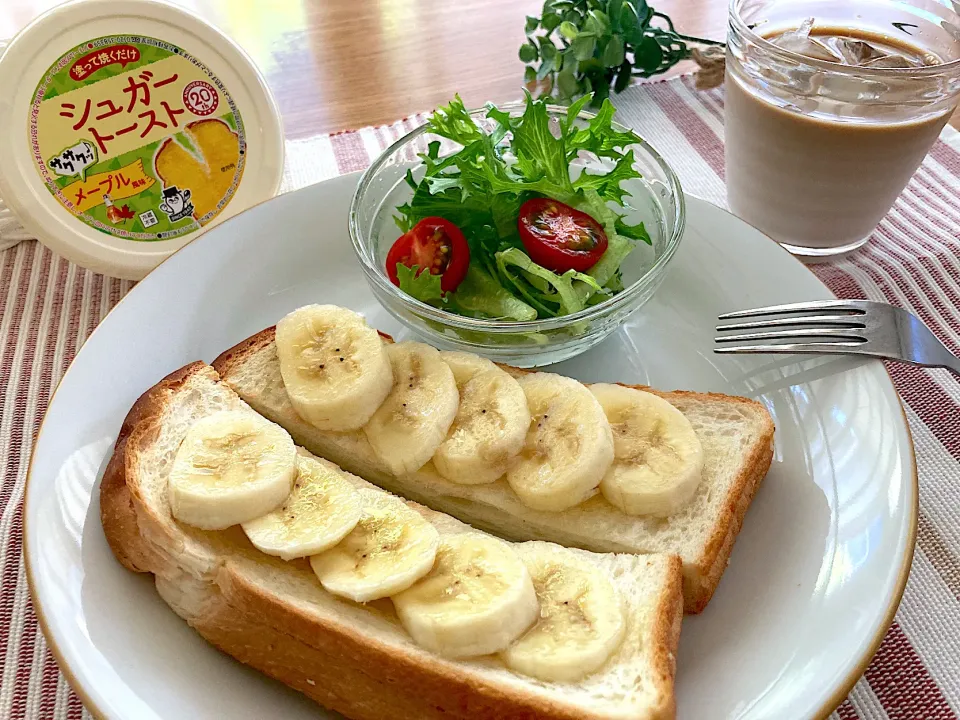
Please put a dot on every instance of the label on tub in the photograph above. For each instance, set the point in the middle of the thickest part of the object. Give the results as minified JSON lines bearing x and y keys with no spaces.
{"x":137,"y":138}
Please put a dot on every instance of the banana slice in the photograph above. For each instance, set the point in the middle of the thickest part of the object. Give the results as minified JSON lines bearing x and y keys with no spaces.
{"x":659,"y":458}
{"x":231,"y":467}
{"x":491,"y":423}
{"x":581,"y":617}
{"x":568,"y":448}
{"x":411,"y":423}
{"x":317,"y":514}
{"x":334,"y":366}
{"x":465,"y":365}
{"x":477,"y":599}
{"x":391,"y":548}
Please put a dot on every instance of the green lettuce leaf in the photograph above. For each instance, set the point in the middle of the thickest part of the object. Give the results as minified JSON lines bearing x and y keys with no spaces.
{"x":599,"y":137}
{"x":480,"y":295}
{"x":618,"y":247}
{"x":634,"y":232}
{"x":607,"y":185}
{"x":560,"y":297}
{"x":422,"y":285}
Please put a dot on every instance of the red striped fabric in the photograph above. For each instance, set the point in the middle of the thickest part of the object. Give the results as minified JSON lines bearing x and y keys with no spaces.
{"x":350,"y":153}
{"x":846,"y":711}
{"x":902,"y":683}
{"x":48,"y":307}
{"x":947,"y":156}
{"x":691,"y":124}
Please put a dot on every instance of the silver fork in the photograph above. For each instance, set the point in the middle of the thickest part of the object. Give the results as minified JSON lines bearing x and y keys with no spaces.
{"x":835,"y":327}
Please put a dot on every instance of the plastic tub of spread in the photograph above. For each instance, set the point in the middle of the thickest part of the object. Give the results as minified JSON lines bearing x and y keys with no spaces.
{"x":128,"y":128}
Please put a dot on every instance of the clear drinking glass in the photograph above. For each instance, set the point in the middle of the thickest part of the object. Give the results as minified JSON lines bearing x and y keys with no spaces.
{"x":817,"y":151}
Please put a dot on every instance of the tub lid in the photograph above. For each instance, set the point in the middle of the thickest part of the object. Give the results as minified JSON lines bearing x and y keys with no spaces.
{"x":130,"y":127}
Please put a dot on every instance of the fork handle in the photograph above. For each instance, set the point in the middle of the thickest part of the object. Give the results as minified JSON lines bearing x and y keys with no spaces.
{"x":952,"y":363}
{"x":940,"y":357}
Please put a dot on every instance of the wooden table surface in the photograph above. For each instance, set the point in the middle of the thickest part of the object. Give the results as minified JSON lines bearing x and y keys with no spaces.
{"x":343,"y":64}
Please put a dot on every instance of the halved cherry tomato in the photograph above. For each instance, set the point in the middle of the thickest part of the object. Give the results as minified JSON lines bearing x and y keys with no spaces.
{"x":560,"y":237}
{"x":433,"y":244}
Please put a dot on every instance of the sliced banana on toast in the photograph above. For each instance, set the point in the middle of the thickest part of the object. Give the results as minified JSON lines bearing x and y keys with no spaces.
{"x":581,"y":621}
{"x":568,"y":448}
{"x":390,"y":548}
{"x":317,"y":514}
{"x":658,"y":456}
{"x":334,"y":366}
{"x":491,"y":423}
{"x":477,"y":600}
{"x":411,"y":423}
{"x":465,"y":365}
{"x":231,"y":467}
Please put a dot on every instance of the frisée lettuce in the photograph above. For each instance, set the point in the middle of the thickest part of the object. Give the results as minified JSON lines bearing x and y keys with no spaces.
{"x":481,"y":187}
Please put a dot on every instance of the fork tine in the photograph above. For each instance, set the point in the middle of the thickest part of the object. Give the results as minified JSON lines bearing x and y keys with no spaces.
{"x":839,"y":334}
{"x":814,"y":348}
{"x":838,"y":321}
{"x":851,"y":307}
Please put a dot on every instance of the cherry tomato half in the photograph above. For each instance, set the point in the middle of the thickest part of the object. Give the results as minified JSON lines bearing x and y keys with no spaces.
{"x":559,"y":237}
{"x":433,"y":244}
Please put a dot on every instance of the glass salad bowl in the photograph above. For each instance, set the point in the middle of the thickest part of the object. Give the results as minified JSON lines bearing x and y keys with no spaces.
{"x":656,"y":199}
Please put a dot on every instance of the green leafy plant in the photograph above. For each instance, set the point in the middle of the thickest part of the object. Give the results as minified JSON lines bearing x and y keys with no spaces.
{"x":578,"y":47}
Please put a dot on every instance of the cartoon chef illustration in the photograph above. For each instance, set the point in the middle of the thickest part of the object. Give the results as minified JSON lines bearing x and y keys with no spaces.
{"x":176,"y":203}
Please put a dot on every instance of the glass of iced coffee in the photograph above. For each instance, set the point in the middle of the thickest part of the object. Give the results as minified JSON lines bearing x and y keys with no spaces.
{"x":831,"y":105}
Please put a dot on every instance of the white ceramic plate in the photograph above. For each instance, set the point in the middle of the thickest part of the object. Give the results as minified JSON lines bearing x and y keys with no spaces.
{"x":815,"y":577}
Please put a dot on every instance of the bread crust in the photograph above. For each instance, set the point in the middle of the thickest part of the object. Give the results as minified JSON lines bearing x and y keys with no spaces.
{"x":117,"y":510}
{"x":716,"y":556}
{"x":669,"y":614}
{"x":225,"y":362}
{"x":702,"y":577}
{"x":352,"y":674}
{"x":331,"y":662}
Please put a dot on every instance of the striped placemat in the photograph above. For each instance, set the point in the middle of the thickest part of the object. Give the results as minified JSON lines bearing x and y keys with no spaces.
{"x":48,"y":307}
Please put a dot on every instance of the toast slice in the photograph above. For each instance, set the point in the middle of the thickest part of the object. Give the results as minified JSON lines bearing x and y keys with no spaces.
{"x":737,"y":438}
{"x":355,"y":659}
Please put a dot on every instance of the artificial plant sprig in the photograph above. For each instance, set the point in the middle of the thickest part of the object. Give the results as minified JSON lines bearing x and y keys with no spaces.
{"x":578,"y":47}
